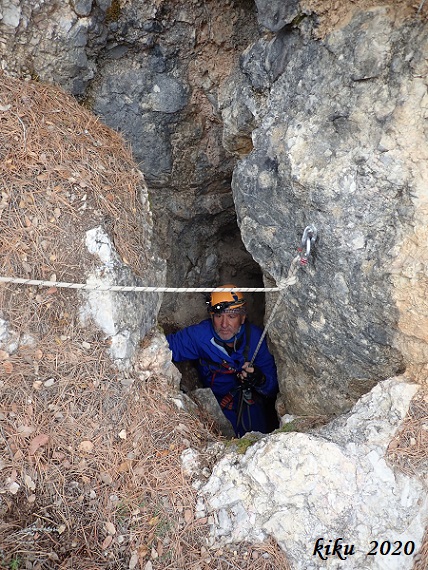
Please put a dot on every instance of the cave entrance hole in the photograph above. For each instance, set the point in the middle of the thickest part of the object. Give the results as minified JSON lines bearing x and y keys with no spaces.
{"x":234,"y":265}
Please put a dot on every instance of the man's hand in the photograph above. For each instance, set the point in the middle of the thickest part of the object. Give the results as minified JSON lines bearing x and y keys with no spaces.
{"x":251,"y":376}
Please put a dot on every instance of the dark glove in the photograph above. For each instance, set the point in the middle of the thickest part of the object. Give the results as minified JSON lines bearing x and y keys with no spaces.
{"x":254,"y":379}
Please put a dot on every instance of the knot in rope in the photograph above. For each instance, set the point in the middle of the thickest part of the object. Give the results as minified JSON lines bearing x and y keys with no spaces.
{"x":286,"y":282}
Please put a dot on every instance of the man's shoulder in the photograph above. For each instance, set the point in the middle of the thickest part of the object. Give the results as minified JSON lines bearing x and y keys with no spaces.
{"x":205,"y":324}
{"x":204,"y":327}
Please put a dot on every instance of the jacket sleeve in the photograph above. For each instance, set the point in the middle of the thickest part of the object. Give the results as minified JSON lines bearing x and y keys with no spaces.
{"x":266,"y":363}
{"x":183,"y":344}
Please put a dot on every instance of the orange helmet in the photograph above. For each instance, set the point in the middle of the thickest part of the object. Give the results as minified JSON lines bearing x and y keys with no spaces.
{"x":221,"y":301}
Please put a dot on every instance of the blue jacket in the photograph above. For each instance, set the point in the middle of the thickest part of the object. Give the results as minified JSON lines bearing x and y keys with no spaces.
{"x":218,"y":369}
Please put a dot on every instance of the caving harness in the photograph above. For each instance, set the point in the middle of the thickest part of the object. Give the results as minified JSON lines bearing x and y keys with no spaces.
{"x":224,"y":367}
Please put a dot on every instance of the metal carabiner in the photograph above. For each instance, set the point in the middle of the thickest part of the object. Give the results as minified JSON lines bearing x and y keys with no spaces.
{"x":309,"y":238}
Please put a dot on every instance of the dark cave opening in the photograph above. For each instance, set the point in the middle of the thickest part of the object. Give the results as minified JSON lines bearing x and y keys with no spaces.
{"x":235,"y":265}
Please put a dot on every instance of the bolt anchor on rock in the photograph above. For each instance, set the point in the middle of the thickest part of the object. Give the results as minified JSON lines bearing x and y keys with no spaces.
{"x":310,"y":235}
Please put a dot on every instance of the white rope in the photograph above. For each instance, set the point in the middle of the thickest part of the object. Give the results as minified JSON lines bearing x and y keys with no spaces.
{"x":309,"y":237}
{"x":136,"y":289}
{"x":290,"y":280}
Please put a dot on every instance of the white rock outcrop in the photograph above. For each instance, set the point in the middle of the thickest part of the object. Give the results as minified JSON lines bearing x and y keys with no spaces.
{"x":302,"y":488}
{"x":124,"y":317}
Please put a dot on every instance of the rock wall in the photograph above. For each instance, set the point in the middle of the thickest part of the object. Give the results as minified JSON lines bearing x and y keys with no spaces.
{"x":57,"y":42}
{"x":340,"y":143}
{"x":325,"y":130}
{"x":157,"y":83}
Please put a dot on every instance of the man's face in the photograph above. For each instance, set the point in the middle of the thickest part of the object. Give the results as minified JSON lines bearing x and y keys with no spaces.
{"x":226,"y":325}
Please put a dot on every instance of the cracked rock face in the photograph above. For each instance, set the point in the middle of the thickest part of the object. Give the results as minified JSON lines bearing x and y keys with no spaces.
{"x":340,"y":143}
{"x":332,"y":483}
{"x":157,"y":83}
{"x":329,"y":132}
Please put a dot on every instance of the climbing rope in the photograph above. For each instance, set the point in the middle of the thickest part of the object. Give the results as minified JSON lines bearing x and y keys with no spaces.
{"x":291,"y":279}
{"x":308,"y":238}
{"x":134,"y":289}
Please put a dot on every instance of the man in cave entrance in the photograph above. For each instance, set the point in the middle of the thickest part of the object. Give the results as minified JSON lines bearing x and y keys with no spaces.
{"x":224,"y":345}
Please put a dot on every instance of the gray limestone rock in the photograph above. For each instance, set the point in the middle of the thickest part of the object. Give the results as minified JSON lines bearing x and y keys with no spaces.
{"x":205,"y":398}
{"x":124,"y":317}
{"x":332,"y":149}
{"x":57,"y":42}
{"x":275,"y":14}
{"x":82,"y":7}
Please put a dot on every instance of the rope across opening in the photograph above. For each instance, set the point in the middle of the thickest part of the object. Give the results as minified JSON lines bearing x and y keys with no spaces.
{"x":132,"y":288}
